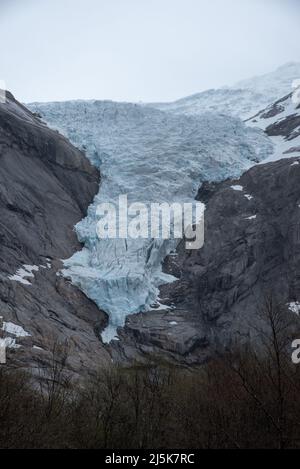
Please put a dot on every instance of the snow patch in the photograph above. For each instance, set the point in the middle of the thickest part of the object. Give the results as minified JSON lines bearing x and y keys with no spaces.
{"x":47,"y":266}
{"x":294,"y":307}
{"x":35,"y":347}
{"x":237,"y":188}
{"x":21,"y":275}
{"x":9,"y":343}
{"x":158,"y":307}
{"x":283,"y":149}
{"x":14,"y":329}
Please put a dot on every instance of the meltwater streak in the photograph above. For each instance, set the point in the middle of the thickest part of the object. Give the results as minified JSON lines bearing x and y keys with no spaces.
{"x":151,"y":156}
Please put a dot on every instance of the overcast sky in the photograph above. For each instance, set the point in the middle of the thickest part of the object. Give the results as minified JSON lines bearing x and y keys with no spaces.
{"x":141,"y":50}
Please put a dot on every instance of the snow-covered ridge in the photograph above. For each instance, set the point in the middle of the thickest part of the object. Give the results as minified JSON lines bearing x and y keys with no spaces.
{"x":152,"y":156}
{"x":281,"y":121}
{"x":274,"y":84}
{"x":242,"y":103}
{"x":243,"y":100}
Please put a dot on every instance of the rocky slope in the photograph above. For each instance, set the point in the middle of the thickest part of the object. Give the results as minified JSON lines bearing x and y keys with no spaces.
{"x":46,"y":186}
{"x":251,"y":250}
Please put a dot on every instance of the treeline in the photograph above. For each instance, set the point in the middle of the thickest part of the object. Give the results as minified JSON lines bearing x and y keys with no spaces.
{"x":248,"y":398}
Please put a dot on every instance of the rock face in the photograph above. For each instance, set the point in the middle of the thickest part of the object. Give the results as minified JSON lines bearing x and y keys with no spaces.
{"x":46,"y":186}
{"x":252,"y":249}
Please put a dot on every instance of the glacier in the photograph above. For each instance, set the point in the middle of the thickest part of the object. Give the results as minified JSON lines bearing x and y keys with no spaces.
{"x":150,"y":156}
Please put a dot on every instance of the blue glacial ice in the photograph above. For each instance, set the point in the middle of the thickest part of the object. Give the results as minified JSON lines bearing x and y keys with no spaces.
{"x":151,"y":156}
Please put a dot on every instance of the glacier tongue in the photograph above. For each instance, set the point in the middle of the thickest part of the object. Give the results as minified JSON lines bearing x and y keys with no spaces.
{"x":121,"y":276}
{"x":151,"y":156}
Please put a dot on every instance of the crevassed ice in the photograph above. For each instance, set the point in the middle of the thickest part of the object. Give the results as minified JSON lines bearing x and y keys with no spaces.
{"x":151,"y":156}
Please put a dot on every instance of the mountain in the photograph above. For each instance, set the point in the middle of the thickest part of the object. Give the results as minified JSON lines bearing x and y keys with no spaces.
{"x":46,"y":186}
{"x":244,"y":99}
{"x":151,"y":156}
{"x":251,"y":252}
{"x":160,"y":298}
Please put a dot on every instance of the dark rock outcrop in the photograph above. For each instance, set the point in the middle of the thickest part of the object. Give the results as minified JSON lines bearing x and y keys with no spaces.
{"x":46,"y":186}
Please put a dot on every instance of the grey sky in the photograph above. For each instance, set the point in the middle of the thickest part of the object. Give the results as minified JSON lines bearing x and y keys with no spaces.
{"x":149,"y":50}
